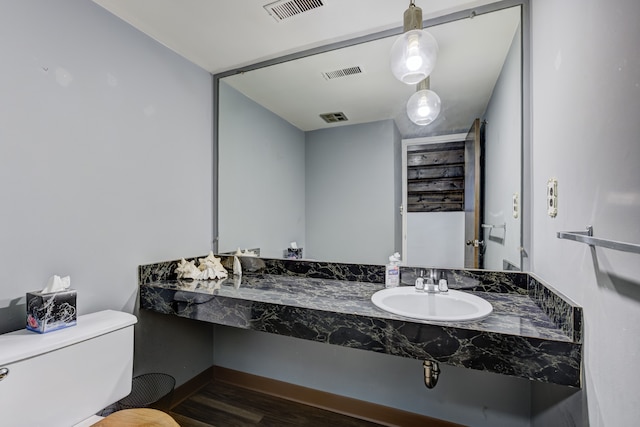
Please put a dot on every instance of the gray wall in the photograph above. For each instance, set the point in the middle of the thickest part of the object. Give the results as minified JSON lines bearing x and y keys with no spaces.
{"x":105,"y":163}
{"x":502,"y":162}
{"x":261,"y":195}
{"x":333,"y":191}
{"x":351,"y":192}
{"x":464,"y":396}
{"x":586,"y":100}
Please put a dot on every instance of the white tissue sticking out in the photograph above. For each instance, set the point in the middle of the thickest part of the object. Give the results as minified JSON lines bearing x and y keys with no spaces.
{"x":396,"y":257}
{"x":57,"y":284}
{"x":294,"y":245}
{"x":210,"y":268}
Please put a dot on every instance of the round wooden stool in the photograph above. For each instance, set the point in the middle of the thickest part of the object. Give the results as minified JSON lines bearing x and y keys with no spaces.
{"x":141,"y":417}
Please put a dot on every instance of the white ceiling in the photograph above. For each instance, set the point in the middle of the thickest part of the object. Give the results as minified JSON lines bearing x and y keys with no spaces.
{"x":221,"y":35}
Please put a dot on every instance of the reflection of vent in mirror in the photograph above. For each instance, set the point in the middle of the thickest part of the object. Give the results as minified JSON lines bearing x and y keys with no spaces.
{"x":283,"y":9}
{"x":334,"y":117}
{"x":350,"y":71}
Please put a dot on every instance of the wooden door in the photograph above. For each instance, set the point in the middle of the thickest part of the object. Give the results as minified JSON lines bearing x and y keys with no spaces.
{"x":473,"y":197}
{"x":414,"y":251}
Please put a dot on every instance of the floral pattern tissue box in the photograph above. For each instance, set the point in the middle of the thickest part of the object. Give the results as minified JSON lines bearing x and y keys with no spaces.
{"x":48,"y":312}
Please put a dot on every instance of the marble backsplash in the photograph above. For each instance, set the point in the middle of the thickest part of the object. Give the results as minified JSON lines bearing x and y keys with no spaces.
{"x":562,"y":311}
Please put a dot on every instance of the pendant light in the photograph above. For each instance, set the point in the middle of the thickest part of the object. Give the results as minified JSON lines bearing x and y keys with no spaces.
{"x":414,"y":53}
{"x":424,"y":106}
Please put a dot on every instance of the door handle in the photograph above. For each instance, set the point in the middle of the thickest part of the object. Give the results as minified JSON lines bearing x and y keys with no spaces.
{"x":475,"y":243}
{"x":4,"y":372}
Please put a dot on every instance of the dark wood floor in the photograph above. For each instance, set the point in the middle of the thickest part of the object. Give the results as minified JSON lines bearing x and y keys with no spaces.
{"x":224,"y":405}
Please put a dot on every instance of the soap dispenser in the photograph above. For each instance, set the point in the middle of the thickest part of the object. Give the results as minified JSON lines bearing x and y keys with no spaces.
{"x":392,"y":271}
{"x":419,"y":284}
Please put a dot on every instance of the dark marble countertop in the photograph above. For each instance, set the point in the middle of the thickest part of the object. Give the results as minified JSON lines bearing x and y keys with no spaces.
{"x":513,"y":314}
{"x":521,"y":337}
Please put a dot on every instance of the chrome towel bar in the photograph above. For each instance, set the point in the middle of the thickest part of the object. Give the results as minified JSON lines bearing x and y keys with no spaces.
{"x":587,"y":237}
{"x":495,"y":226}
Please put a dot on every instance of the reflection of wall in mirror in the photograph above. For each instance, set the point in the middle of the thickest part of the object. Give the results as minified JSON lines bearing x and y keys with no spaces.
{"x":503,"y":164}
{"x":333,"y":191}
{"x":261,"y":178}
{"x":353,"y":193}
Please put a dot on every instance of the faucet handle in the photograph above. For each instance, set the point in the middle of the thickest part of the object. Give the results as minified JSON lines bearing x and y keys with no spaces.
{"x":443,"y":286}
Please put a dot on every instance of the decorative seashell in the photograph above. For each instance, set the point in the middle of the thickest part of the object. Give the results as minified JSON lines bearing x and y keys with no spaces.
{"x":187,"y":270}
{"x":210,"y":268}
{"x":217,"y":271}
{"x":245,"y":252}
{"x":237,"y":281}
{"x":237,"y":267}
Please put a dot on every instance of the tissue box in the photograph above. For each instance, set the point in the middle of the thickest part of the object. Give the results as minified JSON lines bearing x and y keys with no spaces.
{"x":48,"y":312}
{"x":292,"y":253}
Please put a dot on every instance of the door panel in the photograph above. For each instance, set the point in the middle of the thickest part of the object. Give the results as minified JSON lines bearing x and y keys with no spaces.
{"x":473,"y":197}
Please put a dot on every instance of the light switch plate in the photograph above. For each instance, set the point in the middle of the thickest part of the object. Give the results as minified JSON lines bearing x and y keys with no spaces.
{"x":552,"y":197}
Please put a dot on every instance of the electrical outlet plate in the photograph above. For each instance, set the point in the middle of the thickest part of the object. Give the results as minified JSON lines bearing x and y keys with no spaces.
{"x":552,"y":197}
{"x":516,"y":205}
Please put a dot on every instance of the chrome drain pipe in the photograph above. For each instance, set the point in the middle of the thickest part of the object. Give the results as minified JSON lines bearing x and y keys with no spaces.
{"x":431,"y":373}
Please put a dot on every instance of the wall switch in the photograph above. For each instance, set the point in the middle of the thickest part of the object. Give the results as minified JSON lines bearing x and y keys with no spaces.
{"x":516,"y":205}
{"x":552,"y":197}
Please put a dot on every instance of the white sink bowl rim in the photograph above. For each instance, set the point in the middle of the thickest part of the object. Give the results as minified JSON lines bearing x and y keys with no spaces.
{"x":451,"y":306}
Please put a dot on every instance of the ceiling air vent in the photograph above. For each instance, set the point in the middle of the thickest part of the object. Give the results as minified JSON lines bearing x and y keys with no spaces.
{"x":284,"y":9}
{"x":334,"y":117}
{"x":344,"y":72}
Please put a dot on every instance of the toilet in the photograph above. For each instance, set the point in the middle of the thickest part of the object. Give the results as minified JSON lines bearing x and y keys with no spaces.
{"x":63,"y":378}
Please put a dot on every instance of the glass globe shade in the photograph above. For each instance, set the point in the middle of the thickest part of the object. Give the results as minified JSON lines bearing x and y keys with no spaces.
{"x":413,"y":56}
{"x":423,"y":107}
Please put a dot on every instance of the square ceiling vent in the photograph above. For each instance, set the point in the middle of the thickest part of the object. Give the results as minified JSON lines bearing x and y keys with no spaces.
{"x":334,"y":117}
{"x":283,"y":9}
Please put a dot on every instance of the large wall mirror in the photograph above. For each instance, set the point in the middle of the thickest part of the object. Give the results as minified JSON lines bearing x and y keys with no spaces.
{"x":335,"y":187}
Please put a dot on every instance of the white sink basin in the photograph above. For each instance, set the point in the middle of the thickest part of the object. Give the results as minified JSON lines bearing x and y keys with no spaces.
{"x":449,"y":306}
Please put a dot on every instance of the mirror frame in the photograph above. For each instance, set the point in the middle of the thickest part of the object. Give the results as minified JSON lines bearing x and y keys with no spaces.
{"x":525,"y":156}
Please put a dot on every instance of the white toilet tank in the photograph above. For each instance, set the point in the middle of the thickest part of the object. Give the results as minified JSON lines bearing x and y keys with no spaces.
{"x":60,"y":378}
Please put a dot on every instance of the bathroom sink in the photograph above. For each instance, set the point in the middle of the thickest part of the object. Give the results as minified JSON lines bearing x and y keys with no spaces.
{"x":447,"y":306}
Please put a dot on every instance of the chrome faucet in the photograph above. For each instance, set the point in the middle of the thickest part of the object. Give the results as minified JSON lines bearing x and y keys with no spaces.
{"x":429,"y":284}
